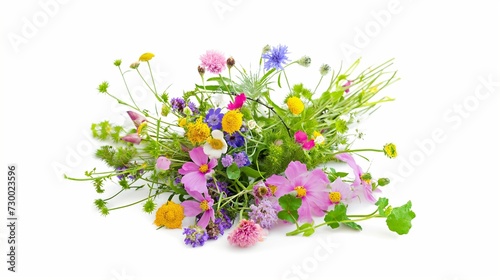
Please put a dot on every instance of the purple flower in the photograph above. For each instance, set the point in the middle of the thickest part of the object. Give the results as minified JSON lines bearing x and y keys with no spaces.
{"x":214,"y":119}
{"x":178,"y":104}
{"x":227,"y":160}
{"x":221,"y":223}
{"x":261,"y":191}
{"x":215,"y":190}
{"x":265,"y":213}
{"x":120,"y":170}
{"x":193,"y":108}
{"x":275,"y":58}
{"x":235,"y":139}
{"x":195,"y":236}
{"x":311,"y":187}
{"x":241,"y":159}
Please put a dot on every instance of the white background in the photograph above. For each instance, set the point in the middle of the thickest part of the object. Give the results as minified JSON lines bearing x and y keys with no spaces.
{"x":55,"y":55}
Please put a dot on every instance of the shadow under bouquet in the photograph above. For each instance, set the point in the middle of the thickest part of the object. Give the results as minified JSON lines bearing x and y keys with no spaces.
{"x":228,"y":155}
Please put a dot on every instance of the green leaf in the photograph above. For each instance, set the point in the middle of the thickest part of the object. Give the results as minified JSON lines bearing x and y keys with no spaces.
{"x":309,"y":229}
{"x":279,"y":80}
{"x":209,"y":87}
{"x":290,"y":202}
{"x":339,"y":215}
{"x":382,"y":204}
{"x":400,"y":218}
{"x":233,"y":172}
{"x":251,"y":172}
{"x":287,"y":215}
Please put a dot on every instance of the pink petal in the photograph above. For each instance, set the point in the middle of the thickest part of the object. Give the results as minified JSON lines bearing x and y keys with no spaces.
{"x":282,"y":184}
{"x":195,"y":181}
{"x":295,"y":169}
{"x":163,"y":163}
{"x":213,"y":163}
{"x":136,"y":118}
{"x":347,"y":158}
{"x":317,"y":180}
{"x":300,"y":137}
{"x":305,"y":212}
{"x":188,"y":167}
{"x":205,"y":218}
{"x":198,"y":156}
{"x":319,"y":203}
{"x":132,"y":138}
{"x":191,"y":208}
{"x":308,"y":145}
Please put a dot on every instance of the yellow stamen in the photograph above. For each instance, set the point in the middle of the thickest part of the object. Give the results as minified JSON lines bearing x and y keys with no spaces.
{"x":301,"y":191}
{"x":141,"y":126}
{"x":335,"y":197}
{"x":273,"y":188}
{"x":216,"y":144}
{"x":203,"y":168}
{"x":204,"y":205}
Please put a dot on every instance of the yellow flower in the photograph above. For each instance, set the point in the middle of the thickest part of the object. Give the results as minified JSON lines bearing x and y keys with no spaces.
{"x":318,"y":138}
{"x":170,"y":215}
{"x":295,"y":105}
{"x":198,"y":132}
{"x":232,"y":121}
{"x":390,"y":150}
{"x":146,"y":56}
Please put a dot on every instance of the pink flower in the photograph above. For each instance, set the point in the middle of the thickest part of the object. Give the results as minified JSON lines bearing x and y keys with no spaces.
{"x":163,"y":163}
{"x":311,"y":187}
{"x":301,"y":138}
{"x":347,"y":85}
{"x":359,"y":184}
{"x":340,"y":192}
{"x":132,"y":138}
{"x":238,"y":102}
{"x":202,"y":204}
{"x":213,"y":61}
{"x":247,"y":234}
{"x":136,"y":118}
{"x":196,"y":172}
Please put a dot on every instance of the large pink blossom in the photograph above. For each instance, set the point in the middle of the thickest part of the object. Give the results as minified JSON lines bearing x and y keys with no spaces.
{"x":311,"y":187}
{"x":203,"y":203}
{"x":247,"y":234}
{"x":196,"y":172}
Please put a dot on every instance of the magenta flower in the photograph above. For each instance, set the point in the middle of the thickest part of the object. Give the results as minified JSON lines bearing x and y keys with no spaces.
{"x":138,"y":119}
{"x":202,"y":204}
{"x":196,"y":172}
{"x":163,"y":163}
{"x":213,"y":61}
{"x":132,"y":138}
{"x":238,"y":102}
{"x":347,"y":85}
{"x":247,"y":234}
{"x":301,"y":138}
{"x":358,"y":184}
{"x":311,"y":187}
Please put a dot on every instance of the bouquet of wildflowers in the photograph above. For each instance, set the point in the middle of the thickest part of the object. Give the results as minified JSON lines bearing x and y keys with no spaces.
{"x":228,"y":155}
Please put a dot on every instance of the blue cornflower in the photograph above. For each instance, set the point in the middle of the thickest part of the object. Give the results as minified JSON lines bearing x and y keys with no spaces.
{"x":235,"y":139}
{"x":275,"y":58}
{"x":241,"y":159}
{"x":214,"y":119}
{"x":178,"y":104}
{"x":195,"y":236}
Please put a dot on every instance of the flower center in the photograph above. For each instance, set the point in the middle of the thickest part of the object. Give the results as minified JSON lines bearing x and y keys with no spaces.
{"x":301,"y":191}
{"x":216,"y":144}
{"x":273,"y":188}
{"x":262,"y":191}
{"x":204,"y":205}
{"x":335,"y":197}
{"x":203,"y":168}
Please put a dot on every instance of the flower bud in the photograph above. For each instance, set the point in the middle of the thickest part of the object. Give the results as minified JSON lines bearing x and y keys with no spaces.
{"x":304,"y":61}
{"x":230,"y":62}
{"x":135,"y":65}
{"x":324,"y":69}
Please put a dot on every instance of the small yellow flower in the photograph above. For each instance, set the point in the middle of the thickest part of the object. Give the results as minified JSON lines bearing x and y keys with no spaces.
{"x":295,"y":105}
{"x":170,"y":215}
{"x":198,"y":132}
{"x":390,"y":150}
{"x":318,"y":138}
{"x":146,"y":57}
{"x":232,"y":121}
